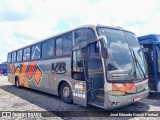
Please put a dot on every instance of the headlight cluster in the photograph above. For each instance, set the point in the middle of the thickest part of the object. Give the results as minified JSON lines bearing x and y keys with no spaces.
{"x":116,"y":93}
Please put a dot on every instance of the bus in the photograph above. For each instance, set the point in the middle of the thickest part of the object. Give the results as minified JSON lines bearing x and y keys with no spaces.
{"x":3,"y":69}
{"x":151,"y":46}
{"x":90,"y":65}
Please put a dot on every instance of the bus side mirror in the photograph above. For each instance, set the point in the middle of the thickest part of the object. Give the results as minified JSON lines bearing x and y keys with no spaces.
{"x":103,"y":41}
{"x":84,"y":52}
{"x":104,"y":52}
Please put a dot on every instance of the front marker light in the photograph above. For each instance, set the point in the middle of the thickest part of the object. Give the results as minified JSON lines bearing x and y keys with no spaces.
{"x":116,"y":93}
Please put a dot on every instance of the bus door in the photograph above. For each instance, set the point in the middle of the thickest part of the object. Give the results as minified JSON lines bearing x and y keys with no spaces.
{"x":78,"y":74}
{"x":88,"y":85}
{"x":94,"y":75}
{"x":157,"y":67}
{"x":150,"y":55}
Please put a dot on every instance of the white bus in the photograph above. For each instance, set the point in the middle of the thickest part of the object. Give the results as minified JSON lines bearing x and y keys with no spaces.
{"x":91,"y":64}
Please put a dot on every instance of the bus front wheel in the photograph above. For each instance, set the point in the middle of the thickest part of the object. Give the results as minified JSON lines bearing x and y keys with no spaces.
{"x":66,"y":93}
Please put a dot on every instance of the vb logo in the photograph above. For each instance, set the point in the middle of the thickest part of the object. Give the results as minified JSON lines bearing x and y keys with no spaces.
{"x":59,"y":68}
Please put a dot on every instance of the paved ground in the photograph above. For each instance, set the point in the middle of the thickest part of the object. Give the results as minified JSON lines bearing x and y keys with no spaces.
{"x":14,"y":99}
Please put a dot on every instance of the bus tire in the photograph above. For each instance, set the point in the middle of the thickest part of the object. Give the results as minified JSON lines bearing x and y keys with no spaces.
{"x":66,"y":93}
{"x":17,"y":82}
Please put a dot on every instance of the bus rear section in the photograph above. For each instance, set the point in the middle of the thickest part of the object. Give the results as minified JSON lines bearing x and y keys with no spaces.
{"x":151,"y":49}
{"x":3,"y":69}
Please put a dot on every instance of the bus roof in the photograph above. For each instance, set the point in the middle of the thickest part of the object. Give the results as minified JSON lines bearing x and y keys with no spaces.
{"x":149,"y":39}
{"x":79,"y":27}
{"x":149,"y":36}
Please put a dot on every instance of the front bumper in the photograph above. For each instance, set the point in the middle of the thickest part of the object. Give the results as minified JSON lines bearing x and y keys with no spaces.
{"x":112,"y":102}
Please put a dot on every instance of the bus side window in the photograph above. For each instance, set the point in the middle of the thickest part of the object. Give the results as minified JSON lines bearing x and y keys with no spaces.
{"x":59,"y":47}
{"x":83,"y":36}
{"x":9,"y":58}
{"x":19,"y":56}
{"x":36,"y":51}
{"x":14,"y":57}
{"x":67,"y":44}
{"x":64,"y":45}
{"x":26,"y":54}
{"x":78,"y":68}
{"x":80,"y":36}
{"x":44,"y":50}
{"x":50,"y":48}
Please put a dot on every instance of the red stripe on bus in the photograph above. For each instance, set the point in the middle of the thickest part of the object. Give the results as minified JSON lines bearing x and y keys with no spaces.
{"x":12,"y":68}
{"x":124,"y":84}
{"x":23,"y":73}
{"x":31,"y":69}
{"x":115,"y":86}
{"x":132,"y":86}
{"x":37,"y":75}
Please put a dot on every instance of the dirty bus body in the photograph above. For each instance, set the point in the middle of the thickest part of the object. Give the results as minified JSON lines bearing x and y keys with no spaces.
{"x":151,"y":48}
{"x":96,"y":65}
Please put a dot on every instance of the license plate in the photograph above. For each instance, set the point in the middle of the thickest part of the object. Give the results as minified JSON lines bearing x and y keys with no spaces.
{"x":136,"y":98}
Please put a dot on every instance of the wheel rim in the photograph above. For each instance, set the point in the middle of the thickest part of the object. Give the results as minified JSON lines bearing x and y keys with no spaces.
{"x":66,"y":92}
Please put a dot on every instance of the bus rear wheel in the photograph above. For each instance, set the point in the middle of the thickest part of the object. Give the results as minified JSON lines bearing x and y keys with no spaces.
{"x":66,"y":93}
{"x":17,"y":82}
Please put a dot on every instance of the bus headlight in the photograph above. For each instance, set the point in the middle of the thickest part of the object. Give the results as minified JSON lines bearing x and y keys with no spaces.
{"x":116,"y":93}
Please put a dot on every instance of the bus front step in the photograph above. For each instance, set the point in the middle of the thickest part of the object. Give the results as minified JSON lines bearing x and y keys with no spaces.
{"x":98,"y":101}
{"x":101,"y":105}
{"x":100,"y":98}
{"x":101,"y":92}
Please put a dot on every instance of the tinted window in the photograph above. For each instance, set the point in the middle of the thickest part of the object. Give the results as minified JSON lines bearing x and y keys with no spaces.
{"x":50,"y":48}
{"x":67,"y":44}
{"x":64,"y":45}
{"x":36,"y":51}
{"x":77,"y":61}
{"x":85,"y":35}
{"x":26,"y":54}
{"x":9,"y":57}
{"x":59,"y":47}
{"x":19,"y":55}
{"x":14,"y":57}
{"x":44,"y":50}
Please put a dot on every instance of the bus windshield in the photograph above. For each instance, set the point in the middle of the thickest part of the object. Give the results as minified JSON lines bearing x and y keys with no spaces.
{"x":138,"y":55}
{"x":120,"y":62}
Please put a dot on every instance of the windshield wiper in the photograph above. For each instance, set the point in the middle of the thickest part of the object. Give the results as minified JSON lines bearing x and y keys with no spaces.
{"x":137,"y":62}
